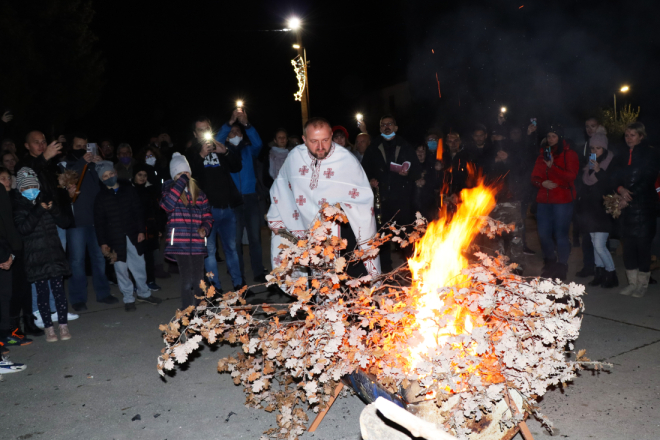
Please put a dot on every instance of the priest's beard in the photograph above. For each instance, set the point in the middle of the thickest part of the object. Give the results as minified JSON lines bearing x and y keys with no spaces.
{"x":319,"y":155}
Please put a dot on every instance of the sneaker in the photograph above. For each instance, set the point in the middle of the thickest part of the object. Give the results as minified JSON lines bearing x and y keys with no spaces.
{"x":153,"y":286}
{"x":16,"y":340}
{"x":7,"y":366}
{"x":526,"y":251}
{"x":108,"y":300}
{"x":69,"y":317}
{"x":79,"y":307}
{"x":150,"y":300}
{"x":37,"y":320}
{"x":130,"y":307}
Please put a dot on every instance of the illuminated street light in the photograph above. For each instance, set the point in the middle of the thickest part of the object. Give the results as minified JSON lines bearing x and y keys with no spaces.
{"x":623,"y":89}
{"x":503,"y":109}
{"x":294,"y":23}
{"x":296,"y":46}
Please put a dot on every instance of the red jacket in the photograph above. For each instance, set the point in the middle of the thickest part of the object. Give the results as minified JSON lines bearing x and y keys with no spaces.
{"x":563,"y":172}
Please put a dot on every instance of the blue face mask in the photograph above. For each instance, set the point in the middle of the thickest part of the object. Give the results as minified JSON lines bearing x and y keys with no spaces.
{"x":112,"y":181}
{"x":388,"y":136}
{"x":31,"y":193}
{"x":433,"y":145}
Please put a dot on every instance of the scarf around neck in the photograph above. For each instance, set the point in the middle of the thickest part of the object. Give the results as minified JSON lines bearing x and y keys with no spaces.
{"x":588,"y":175}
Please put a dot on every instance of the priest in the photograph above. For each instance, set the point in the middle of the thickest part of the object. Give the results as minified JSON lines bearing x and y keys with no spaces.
{"x":314,"y":173}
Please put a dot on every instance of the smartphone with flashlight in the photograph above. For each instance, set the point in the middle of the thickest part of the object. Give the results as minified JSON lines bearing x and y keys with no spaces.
{"x":92,"y":148}
{"x":592,"y":157}
{"x":547,"y":154}
{"x":533,"y":121}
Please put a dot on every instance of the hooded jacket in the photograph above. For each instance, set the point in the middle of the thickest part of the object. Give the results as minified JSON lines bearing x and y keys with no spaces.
{"x":563,"y":172}
{"x":249,"y":149}
{"x":43,"y":251}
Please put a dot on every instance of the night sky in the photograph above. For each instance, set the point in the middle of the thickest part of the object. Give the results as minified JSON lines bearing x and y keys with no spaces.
{"x":168,"y":62}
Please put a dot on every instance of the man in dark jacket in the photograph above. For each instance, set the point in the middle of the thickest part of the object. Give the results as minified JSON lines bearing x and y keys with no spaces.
{"x":481,"y":150}
{"x":212,"y":163}
{"x":396,"y":188}
{"x":119,"y":226}
{"x":83,"y":236}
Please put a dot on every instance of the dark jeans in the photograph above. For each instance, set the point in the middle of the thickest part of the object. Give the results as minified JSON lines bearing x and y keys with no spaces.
{"x":78,"y":240}
{"x":248,"y":216}
{"x":43,"y":294}
{"x":224,"y":224}
{"x":637,"y":252}
{"x":554,"y":220}
{"x":191,"y":268}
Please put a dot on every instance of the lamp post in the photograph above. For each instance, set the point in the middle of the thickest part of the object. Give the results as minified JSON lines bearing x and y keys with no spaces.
{"x":300,"y":65}
{"x":623,"y":89}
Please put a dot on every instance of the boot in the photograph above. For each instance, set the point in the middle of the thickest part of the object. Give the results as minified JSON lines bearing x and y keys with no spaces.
{"x":29,"y":327}
{"x":642,"y":284}
{"x":632,"y":282}
{"x":548,"y":270}
{"x":586,"y":272}
{"x":561,"y":271}
{"x":50,"y":334}
{"x":64,"y":332}
{"x":599,"y":276}
{"x":610,"y":280}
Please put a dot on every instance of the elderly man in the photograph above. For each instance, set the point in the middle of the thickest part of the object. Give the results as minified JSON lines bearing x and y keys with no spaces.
{"x":314,"y":173}
{"x":362,"y":142}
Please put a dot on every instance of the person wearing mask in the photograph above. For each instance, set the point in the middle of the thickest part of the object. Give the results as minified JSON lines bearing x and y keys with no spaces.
{"x":154,"y":221}
{"x":157,"y":171}
{"x":594,"y":220}
{"x":554,"y":175}
{"x":107,"y":148}
{"x":396,"y":188}
{"x":245,"y":140}
{"x":82,"y":238}
{"x":634,"y":180}
{"x":124,"y":165}
{"x":591,"y":127}
{"x":120,"y":228}
{"x":362,"y":142}
{"x":189,"y":223}
{"x":8,"y":161}
{"x":35,"y":217}
{"x":212,"y":163}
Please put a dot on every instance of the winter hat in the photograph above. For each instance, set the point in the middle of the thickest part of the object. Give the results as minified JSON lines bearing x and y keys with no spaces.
{"x":26,"y":177}
{"x":556,"y":129}
{"x":178,"y":164}
{"x":103,"y":166}
{"x":340,"y":128}
{"x":142,"y":167}
{"x":599,"y":140}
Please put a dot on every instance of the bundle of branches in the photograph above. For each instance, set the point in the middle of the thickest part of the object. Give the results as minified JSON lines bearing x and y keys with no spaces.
{"x":614,"y":203}
{"x":67,"y":178}
{"x":294,"y":354}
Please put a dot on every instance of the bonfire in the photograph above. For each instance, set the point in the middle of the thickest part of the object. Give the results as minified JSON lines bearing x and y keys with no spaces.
{"x":454,"y":333}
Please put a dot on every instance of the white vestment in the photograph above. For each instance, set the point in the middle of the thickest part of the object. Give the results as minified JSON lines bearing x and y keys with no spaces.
{"x":305,"y":183}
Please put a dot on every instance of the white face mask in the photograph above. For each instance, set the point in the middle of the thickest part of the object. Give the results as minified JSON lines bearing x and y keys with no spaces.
{"x":150,"y":161}
{"x":235,"y":140}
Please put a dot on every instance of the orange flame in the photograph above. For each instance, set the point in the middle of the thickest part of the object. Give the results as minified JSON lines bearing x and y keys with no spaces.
{"x":438,"y":262}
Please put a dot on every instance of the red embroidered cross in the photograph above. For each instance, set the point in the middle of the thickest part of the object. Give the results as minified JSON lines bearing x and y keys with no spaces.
{"x":301,"y":200}
{"x":290,"y":185}
{"x":349,"y":206}
{"x":296,"y":214}
{"x":329,"y":173}
{"x":322,"y":201}
{"x":275,"y":200}
{"x":353,"y":193}
{"x":278,"y":260}
{"x":304,"y":170}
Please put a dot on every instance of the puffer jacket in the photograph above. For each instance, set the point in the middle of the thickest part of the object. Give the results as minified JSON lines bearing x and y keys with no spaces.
{"x":637,"y":171}
{"x":563,"y":172}
{"x":118,"y":215}
{"x":183,"y":221}
{"x":43,"y":251}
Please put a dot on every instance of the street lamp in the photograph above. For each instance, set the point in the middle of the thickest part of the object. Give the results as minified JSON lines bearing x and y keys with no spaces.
{"x":300,"y":67}
{"x":623,"y":89}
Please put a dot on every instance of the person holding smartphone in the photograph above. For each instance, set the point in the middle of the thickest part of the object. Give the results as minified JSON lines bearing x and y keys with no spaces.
{"x":554,"y":175}
{"x":596,"y":182}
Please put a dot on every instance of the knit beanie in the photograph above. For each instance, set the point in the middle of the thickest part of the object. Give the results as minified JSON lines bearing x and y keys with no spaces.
{"x":104,"y":166}
{"x":26,"y":177}
{"x":141,"y":167}
{"x":178,"y":164}
{"x":598,"y":140}
{"x":556,"y":129}
{"x":340,"y":128}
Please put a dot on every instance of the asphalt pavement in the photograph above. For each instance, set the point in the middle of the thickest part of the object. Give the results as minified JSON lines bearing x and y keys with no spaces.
{"x":103,"y":383}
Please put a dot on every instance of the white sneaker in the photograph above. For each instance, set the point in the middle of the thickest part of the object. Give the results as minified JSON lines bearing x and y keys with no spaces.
{"x":69,"y":317}
{"x":7,"y":366}
{"x":37,"y":320}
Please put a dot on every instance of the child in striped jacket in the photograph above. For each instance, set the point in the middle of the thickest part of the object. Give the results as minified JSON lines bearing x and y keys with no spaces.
{"x":189,"y":222}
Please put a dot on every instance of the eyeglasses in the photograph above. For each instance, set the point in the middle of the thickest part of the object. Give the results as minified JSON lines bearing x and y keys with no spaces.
{"x":387,"y":124}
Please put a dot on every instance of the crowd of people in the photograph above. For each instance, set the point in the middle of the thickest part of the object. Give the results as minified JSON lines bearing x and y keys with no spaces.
{"x":70,"y":208}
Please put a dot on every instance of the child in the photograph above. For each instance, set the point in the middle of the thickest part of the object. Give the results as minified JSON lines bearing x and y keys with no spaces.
{"x":189,"y":222}
{"x":36,"y":219}
{"x":119,"y":224}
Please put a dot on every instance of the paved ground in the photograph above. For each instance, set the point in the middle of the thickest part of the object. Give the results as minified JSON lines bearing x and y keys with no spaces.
{"x":103,"y":384}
